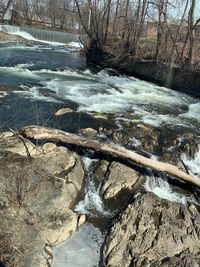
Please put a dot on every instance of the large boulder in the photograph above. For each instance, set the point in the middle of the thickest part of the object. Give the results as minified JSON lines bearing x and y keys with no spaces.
{"x":39,"y":187}
{"x":101,"y":170}
{"x":121,"y":181}
{"x":89,"y":132}
{"x":154,"y":232}
{"x":63,"y":111}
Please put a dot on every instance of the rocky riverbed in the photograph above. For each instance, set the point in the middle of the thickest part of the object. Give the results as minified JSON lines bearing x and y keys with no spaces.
{"x":39,"y":190}
{"x":41,"y":186}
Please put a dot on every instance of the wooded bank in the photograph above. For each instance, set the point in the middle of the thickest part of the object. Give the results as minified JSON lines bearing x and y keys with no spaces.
{"x":50,"y":134}
{"x":162,"y":30}
{"x":162,"y":74}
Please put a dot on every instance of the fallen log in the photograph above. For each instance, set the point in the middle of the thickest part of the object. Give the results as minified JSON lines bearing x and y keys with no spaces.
{"x":44,"y":133}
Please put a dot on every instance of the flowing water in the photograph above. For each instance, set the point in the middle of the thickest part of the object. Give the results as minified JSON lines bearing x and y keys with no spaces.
{"x":43,"y":77}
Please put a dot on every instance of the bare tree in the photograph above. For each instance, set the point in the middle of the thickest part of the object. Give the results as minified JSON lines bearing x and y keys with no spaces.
{"x":7,"y":7}
{"x":191,"y":33}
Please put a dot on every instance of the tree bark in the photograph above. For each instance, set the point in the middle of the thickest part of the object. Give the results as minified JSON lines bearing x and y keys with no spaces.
{"x":191,"y":35}
{"x":9,"y":3}
{"x":44,"y":133}
{"x":159,"y":29}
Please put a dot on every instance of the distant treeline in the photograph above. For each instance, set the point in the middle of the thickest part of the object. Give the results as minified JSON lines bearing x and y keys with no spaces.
{"x":166,"y":31}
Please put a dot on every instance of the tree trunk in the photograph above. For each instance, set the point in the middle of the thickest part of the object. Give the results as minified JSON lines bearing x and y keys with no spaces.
{"x":44,"y":133}
{"x":159,"y":30}
{"x":9,"y":3}
{"x":191,"y":35}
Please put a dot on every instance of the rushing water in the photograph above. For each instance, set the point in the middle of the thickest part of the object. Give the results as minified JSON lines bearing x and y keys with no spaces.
{"x":44,"y":77}
{"x":44,"y":36}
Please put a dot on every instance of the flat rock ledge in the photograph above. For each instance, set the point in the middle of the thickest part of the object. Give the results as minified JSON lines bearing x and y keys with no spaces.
{"x":154,"y":232}
{"x":39,"y":189}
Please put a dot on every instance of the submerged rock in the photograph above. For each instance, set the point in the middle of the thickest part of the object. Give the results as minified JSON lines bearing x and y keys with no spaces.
{"x":154,"y":232}
{"x":89,"y":132}
{"x":39,"y":190}
{"x":100,"y":117}
{"x":63,"y":111}
{"x":101,"y":170}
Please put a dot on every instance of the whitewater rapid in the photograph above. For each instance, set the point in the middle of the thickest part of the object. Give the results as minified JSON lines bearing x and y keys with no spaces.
{"x":103,"y":93}
{"x":95,"y":92}
{"x":92,"y":203}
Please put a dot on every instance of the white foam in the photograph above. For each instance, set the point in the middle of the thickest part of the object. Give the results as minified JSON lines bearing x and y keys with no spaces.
{"x":92,"y":203}
{"x":82,"y":249}
{"x":67,"y":73}
{"x":193,"y":165}
{"x":42,"y":74}
{"x":75,"y":44}
{"x":193,"y":112}
{"x":167,"y":119}
{"x":135,"y":142}
{"x":3,"y":94}
{"x":160,"y":187}
{"x":111,"y":94}
{"x":87,"y":161}
{"x":18,"y":71}
{"x":102,"y":93}
{"x":34,"y":93}
{"x":14,"y":30}
{"x":24,"y":66}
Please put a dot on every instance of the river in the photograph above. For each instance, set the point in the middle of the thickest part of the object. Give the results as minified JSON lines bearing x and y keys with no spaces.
{"x":44,"y":77}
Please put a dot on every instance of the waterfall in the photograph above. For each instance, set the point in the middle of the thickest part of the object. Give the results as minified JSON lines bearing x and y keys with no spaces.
{"x":51,"y":36}
{"x":160,"y":186}
{"x":9,"y":28}
{"x":40,"y":34}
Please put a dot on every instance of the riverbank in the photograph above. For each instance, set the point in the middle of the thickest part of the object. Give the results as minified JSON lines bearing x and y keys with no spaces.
{"x":148,"y":70}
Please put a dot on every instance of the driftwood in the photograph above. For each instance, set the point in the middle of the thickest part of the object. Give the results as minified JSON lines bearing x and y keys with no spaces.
{"x":43,"y":133}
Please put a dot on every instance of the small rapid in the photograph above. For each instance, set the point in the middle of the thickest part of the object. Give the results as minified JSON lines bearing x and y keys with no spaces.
{"x":92,"y":203}
{"x":146,"y":102}
{"x":160,"y":186}
{"x":193,"y":164}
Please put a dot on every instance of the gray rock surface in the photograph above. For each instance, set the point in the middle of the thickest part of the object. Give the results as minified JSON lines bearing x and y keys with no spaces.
{"x":39,"y":189}
{"x":63,"y":111}
{"x":89,"y":132}
{"x":82,"y":249}
{"x":154,"y":232}
{"x":121,"y":178}
{"x":101,"y":170}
